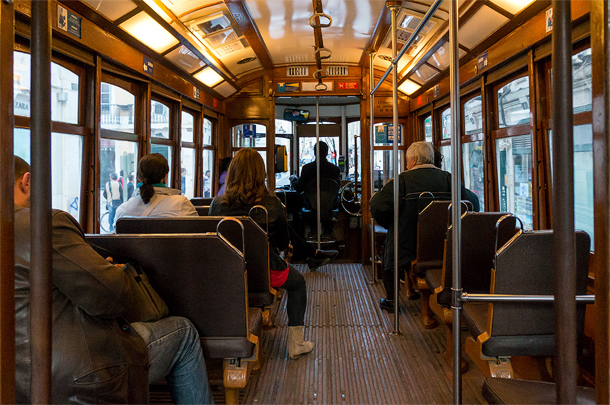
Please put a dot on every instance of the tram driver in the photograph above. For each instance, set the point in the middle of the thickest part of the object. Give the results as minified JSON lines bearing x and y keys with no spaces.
{"x":421,"y":176}
{"x":96,"y":355}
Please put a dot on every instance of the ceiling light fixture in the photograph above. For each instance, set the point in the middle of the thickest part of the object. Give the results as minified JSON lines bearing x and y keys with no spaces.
{"x":149,"y":32}
{"x":209,"y":77}
{"x":408,"y":87}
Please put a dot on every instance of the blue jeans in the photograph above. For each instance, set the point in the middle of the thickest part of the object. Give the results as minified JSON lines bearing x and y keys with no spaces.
{"x":174,"y":352}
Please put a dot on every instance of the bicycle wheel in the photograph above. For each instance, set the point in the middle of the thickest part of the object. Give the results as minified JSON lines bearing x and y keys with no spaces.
{"x":104,"y":224}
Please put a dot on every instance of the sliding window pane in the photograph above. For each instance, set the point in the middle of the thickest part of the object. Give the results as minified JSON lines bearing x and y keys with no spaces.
{"x":446,"y":123}
{"x":187,"y":163}
{"x":117,"y":159}
{"x":383,"y":169}
{"x":208,"y":172}
{"x":207,"y":132}
{"x":167,"y":152}
{"x":513,"y":156}
{"x":581,"y":81}
{"x":446,"y":156}
{"x":188,"y":125}
{"x":514,"y":103}
{"x":428,"y":129}
{"x":473,"y":116}
{"x":159,"y":120}
{"x":283,"y":178}
{"x":474,"y":170}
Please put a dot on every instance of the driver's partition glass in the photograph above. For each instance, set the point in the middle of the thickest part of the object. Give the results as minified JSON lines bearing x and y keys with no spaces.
{"x":354,"y":156}
{"x":118,"y":160}
{"x":66,"y":167}
{"x":307,"y":150}
{"x":514,"y":165}
{"x":474,"y":170}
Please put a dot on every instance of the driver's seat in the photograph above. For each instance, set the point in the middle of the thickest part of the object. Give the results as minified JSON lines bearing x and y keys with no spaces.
{"x":329,"y":192}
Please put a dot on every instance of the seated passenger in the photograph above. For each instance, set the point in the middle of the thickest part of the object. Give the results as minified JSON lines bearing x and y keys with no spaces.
{"x":245,"y":189}
{"x":152,"y":197}
{"x":97,"y":356}
{"x":421,"y":175}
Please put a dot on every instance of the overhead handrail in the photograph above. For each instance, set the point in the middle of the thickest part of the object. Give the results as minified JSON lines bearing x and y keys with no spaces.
{"x":321,"y":57}
{"x":320,"y":25}
{"x":243,"y":232}
{"x":260,"y":207}
{"x":421,"y":25}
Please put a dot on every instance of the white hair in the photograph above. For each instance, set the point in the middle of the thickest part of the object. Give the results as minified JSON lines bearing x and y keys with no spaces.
{"x":422,"y":152}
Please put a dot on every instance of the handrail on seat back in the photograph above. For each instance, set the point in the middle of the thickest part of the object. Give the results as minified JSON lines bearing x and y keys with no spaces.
{"x":202,"y":210}
{"x":477,"y":253}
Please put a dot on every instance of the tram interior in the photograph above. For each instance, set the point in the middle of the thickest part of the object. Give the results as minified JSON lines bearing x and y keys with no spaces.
{"x":199,"y":80}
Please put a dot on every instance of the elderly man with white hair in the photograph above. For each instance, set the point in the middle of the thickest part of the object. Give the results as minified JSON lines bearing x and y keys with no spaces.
{"x":421,"y":176}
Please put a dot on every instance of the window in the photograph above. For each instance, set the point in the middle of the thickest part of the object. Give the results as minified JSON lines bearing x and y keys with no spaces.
{"x":66,"y":167}
{"x":160,"y":139}
{"x":428,"y":129}
{"x":474,"y":169}
{"x":208,"y":157}
{"x":383,"y":166}
{"x":473,"y":116}
{"x":188,"y":162}
{"x":513,"y":156}
{"x":283,"y":136}
{"x":307,"y":150}
{"x":117,"y":109}
{"x":446,"y":123}
{"x":249,"y":136}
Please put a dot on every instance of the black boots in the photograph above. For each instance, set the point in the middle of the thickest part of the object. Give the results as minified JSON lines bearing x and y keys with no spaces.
{"x":321,"y":258}
{"x":387,"y":304}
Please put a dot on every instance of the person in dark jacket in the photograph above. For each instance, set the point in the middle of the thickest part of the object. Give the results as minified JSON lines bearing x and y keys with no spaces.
{"x":245,"y":188}
{"x":309,"y":172}
{"x":97,"y":355}
{"x":421,"y":176}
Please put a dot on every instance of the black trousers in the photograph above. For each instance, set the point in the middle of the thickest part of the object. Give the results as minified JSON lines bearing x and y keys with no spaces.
{"x":297,"y":297}
{"x":388,"y":279}
{"x":302,"y":249}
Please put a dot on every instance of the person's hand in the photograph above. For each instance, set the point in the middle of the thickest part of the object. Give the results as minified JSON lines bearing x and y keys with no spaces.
{"x":293,"y":177}
{"x":111,"y":261}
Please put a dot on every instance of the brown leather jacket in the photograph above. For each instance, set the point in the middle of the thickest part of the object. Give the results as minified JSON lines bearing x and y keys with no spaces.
{"x":97,"y":356}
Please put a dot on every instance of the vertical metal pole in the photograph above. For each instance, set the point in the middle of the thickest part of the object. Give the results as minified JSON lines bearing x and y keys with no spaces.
{"x":372,"y":156}
{"x":7,"y":247}
{"x":319,"y":233}
{"x":600,"y":60}
{"x":41,"y":244}
{"x":456,"y":289}
{"x":564,"y":242}
{"x":394,"y":8}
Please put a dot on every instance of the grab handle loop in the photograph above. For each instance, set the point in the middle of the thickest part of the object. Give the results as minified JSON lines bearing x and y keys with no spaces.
{"x":321,"y":87}
{"x":320,"y":25}
{"x":320,"y":56}
{"x":320,"y":74}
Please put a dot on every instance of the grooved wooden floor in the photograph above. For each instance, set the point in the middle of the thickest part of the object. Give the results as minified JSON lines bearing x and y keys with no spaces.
{"x":355,"y":360}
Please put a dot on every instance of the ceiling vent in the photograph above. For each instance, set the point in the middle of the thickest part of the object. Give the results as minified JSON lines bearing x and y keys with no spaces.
{"x":337,"y":70}
{"x":297,"y":71}
{"x":246,"y":60}
{"x":408,"y":21}
{"x":385,"y":57}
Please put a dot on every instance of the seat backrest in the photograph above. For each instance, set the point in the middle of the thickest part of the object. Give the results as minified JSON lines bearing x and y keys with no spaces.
{"x":431,"y":231}
{"x":200,"y":277}
{"x":255,"y":240}
{"x":202,"y":210}
{"x":477,"y":253}
{"x":525,"y":266}
{"x":198,"y":201}
{"x":329,"y":190}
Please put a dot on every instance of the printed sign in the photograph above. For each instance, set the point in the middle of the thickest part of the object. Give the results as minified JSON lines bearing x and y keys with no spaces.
{"x":148,"y":66}
{"x":549,"y":20}
{"x":196,"y":93}
{"x":288,"y":87}
{"x":390,"y":130}
{"x":419,"y":100}
{"x":437,"y":90}
{"x":347,"y":85}
{"x":250,"y":131}
{"x":482,"y":62}
{"x":68,"y":21}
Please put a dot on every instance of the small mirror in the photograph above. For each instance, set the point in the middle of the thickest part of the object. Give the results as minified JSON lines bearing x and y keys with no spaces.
{"x":296,"y":115}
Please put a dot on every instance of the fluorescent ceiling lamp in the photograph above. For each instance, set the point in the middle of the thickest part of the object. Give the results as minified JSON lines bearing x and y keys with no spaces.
{"x":409,"y":87}
{"x":209,"y":77}
{"x":149,"y":32}
{"x":153,"y":4}
{"x":512,"y":6}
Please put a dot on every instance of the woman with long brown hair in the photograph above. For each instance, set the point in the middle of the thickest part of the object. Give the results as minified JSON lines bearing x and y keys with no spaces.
{"x":245,"y":188}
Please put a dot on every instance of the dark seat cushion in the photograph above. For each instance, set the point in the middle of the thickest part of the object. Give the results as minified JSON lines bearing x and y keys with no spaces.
{"x":475,"y":317}
{"x":223,"y":347}
{"x":433,"y":278}
{"x":510,"y":391}
{"x":421,"y":267}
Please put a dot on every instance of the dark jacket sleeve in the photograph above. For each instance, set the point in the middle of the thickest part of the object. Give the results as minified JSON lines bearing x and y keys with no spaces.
{"x":382,"y":205}
{"x":472,"y":197}
{"x":85,"y":277}
{"x":306,"y":177}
